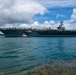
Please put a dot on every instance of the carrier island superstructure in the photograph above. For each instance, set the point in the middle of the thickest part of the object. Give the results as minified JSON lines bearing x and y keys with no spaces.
{"x":20,"y":32}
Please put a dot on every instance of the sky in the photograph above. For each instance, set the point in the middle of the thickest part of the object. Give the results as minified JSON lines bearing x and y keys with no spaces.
{"x":38,"y":13}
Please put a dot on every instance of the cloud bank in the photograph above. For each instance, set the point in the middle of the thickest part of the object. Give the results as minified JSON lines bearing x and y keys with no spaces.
{"x":15,"y":12}
{"x":73,"y":16}
{"x":19,"y":11}
{"x":58,"y":3}
{"x":36,"y":25}
{"x":68,"y":24}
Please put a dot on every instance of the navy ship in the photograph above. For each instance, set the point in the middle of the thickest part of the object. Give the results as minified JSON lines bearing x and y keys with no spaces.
{"x":20,"y":32}
{"x":60,"y":31}
{"x":12,"y":32}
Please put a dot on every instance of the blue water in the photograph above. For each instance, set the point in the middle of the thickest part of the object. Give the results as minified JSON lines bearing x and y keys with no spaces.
{"x":21,"y":54}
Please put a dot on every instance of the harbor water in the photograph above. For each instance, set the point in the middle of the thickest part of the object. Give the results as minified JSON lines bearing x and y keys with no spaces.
{"x":22,"y":54}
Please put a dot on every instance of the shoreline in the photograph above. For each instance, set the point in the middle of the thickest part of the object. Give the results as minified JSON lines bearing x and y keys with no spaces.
{"x":52,"y":68}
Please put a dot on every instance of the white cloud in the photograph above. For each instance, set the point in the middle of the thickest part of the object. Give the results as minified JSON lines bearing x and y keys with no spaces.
{"x":59,"y":15}
{"x":37,"y":25}
{"x":73,"y":16}
{"x":71,"y":24}
{"x":52,"y":22}
{"x":58,"y":3}
{"x":7,"y":26}
{"x":25,"y":25}
{"x":22,"y":11}
{"x":19,"y":11}
{"x":68,"y":24}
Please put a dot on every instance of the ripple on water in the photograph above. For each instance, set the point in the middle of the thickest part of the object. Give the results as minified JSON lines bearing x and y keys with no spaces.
{"x":21,"y":54}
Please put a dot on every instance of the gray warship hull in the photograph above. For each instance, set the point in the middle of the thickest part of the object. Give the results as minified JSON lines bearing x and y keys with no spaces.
{"x":38,"y":33}
{"x":12,"y":32}
{"x":50,"y":33}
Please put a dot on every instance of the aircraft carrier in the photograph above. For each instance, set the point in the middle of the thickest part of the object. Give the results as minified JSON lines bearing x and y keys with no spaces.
{"x":12,"y":32}
{"x":60,"y":31}
{"x":20,"y":32}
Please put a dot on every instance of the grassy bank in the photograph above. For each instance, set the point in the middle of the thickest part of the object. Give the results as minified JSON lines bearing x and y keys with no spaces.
{"x":55,"y":68}
{"x":47,"y":70}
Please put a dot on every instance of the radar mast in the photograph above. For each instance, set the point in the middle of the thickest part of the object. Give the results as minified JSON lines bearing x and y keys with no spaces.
{"x":61,"y":26}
